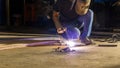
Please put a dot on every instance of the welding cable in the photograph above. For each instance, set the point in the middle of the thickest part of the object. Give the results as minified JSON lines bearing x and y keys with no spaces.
{"x":113,"y":39}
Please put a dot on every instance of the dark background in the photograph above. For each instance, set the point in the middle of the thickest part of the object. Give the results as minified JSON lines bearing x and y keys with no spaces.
{"x":34,"y":13}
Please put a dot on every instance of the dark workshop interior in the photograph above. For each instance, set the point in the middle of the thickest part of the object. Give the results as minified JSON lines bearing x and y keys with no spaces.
{"x":37,"y":14}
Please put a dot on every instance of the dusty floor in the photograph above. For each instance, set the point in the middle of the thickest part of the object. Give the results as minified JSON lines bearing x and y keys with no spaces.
{"x":15,"y":54}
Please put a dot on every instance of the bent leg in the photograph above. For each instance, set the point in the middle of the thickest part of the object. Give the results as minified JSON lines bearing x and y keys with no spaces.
{"x":71,"y":33}
{"x":87,"y":20}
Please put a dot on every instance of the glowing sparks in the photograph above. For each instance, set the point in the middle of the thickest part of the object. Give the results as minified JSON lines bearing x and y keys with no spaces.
{"x":70,"y":43}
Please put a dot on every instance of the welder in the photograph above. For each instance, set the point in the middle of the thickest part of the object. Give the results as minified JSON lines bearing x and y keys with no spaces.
{"x":73,"y":19}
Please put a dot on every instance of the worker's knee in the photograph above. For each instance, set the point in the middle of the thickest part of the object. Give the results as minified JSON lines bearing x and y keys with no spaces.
{"x":71,"y":33}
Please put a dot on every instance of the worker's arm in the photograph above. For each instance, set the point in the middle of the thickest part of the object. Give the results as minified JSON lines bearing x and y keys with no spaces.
{"x":59,"y":27}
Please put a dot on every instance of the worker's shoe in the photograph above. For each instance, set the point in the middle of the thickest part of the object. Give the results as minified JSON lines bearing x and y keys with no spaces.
{"x":86,"y":41}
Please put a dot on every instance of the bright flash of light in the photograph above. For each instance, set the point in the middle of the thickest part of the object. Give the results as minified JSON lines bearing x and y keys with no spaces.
{"x":70,"y":43}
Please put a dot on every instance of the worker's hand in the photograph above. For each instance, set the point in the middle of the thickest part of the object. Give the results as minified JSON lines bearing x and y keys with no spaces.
{"x":61,"y":30}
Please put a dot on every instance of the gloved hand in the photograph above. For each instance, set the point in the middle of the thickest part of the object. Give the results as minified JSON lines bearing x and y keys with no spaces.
{"x":61,"y":30}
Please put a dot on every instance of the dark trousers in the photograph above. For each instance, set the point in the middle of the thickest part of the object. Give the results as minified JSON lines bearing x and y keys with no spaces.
{"x":74,"y":27}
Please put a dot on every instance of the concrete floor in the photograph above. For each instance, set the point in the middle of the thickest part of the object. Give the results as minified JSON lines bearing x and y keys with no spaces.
{"x":91,"y":56}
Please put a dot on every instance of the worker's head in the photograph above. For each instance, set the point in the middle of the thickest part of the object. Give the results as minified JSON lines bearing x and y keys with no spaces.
{"x":82,"y":6}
